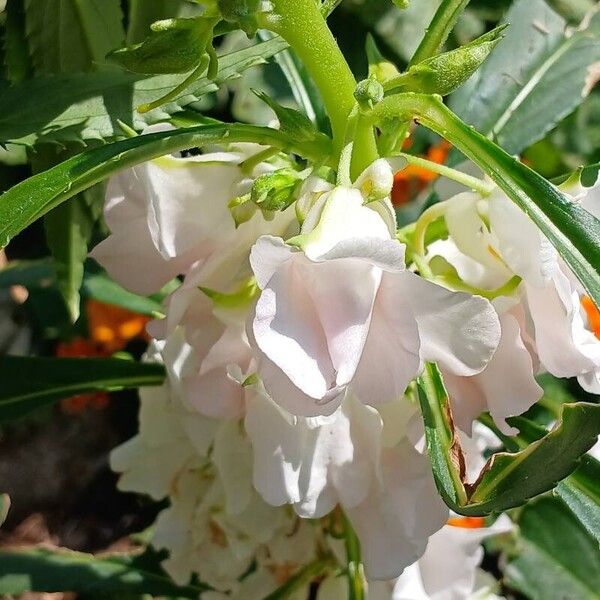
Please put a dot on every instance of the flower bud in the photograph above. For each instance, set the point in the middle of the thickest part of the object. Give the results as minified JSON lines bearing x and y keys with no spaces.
{"x":275,"y":191}
{"x":444,"y":73}
{"x":173,"y":46}
{"x":241,"y":13}
{"x":368,"y":93}
{"x":376,"y":181}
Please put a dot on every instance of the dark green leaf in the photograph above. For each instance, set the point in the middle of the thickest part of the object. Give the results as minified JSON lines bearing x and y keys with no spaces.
{"x":100,"y":287}
{"x":42,"y":570}
{"x":29,"y":383}
{"x":66,"y":36}
{"x":88,"y":106}
{"x":554,"y":558}
{"x":68,"y":230}
{"x":580,"y":491}
{"x":508,"y":479}
{"x":31,"y":199}
{"x":535,"y":78}
{"x":38,"y":274}
{"x":16,"y":50}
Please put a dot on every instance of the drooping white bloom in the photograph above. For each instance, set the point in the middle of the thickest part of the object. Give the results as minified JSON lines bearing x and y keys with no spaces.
{"x":317,"y":463}
{"x":338,"y":311}
{"x":544,"y":323}
{"x":216,"y":523}
{"x":168,"y":213}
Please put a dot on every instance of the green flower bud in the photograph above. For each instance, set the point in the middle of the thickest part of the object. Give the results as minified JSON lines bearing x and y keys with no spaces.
{"x":275,"y":191}
{"x":173,"y":46}
{"x":241,"y":13}
{"x":368,"y":93}
{"x":379,"y":68}
{"x":444,"y":73}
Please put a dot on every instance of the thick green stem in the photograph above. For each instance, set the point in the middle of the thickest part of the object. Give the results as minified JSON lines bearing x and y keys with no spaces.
{"x":439,"y":29}
{"x":301,"y":24}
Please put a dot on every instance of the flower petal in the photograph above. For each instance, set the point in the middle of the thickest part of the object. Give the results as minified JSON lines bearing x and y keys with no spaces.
{"x":459,"y":331}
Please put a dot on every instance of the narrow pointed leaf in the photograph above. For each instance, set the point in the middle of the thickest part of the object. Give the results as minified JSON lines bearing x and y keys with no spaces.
{"x":29,"y":383}
{"x":87,"y":106}
{"x":32,"y":198}
{"x":507,"y":480}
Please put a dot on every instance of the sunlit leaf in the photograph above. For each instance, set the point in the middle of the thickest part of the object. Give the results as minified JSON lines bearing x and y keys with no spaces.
{"x":536,"y":76}
{"x":29,"y":383}
{"x":508,"y":479}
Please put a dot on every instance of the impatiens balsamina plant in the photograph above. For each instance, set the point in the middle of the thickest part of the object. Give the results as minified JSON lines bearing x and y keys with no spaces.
{"x":341,"y":397}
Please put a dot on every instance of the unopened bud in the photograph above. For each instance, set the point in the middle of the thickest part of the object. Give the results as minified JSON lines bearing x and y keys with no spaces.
{"x":376,"y":181}
{"x":275,"y":191}
{"x":368,"y":93}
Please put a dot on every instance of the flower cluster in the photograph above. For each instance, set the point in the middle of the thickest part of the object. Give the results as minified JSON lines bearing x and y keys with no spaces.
{"x":291,"y":345}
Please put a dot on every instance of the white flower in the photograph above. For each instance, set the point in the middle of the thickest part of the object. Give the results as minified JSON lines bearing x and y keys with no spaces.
{"x":216,"y":522}
{"x":338,"y":310}
{"x":168,"y":213}
{"x":317,"y":463}
{"x":543,"y":320}
{"x":448,"y":570}
{"x":211,"y":357}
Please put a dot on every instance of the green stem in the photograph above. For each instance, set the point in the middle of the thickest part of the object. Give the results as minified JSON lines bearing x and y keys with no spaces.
{"x":439,"y":29}
{"x":474,"y":183}
{"x":301,"y":24}
{"x":570,"y":229}
{"x":356,"y":577}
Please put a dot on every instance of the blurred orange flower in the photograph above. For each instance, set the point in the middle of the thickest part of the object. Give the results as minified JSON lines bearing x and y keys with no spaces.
{"x":413,"y":179}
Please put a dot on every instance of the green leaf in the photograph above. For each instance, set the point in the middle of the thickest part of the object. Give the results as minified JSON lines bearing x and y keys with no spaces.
{"x":173,"y":46}
{"x":143,"y":13}
{"x":100,"y":287}
{"x":554,"y":558}
{"x":88,"y":106}
{"x":4,"y":507}
{"x":301,"y":84}
{"x":16,"y":51}
{"x":29,"y":383}
{"x":535,"y":78}
{"x":572,"y":230}
{"x":72,"y":35}
{"x":43,"y":570}
{"x":31,"y":199}
{"x":292,"y":122}
{"x":580,"y":491}
{"x":68,"y":231}
{"x":507,"y":480}
{"x":444,"y":73}
{"x":439,"y":29}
